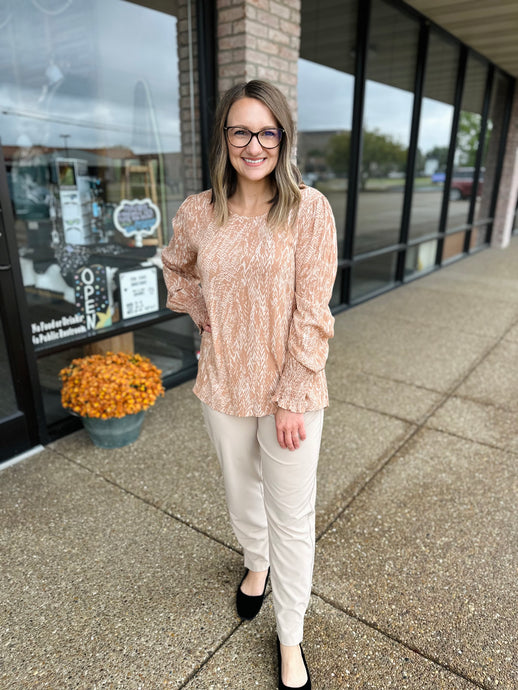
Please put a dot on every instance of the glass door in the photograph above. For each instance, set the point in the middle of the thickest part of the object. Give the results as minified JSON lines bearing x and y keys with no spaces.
{"x":18,"y":427}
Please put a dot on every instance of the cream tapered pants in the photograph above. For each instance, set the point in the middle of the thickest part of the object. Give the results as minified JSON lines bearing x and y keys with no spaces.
{"x":271,"y":500}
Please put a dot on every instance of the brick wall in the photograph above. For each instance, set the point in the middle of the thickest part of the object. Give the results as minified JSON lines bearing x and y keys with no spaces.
{"x":189,"y":97}
{"x":259,"y":39}
{"x":508,"y":192}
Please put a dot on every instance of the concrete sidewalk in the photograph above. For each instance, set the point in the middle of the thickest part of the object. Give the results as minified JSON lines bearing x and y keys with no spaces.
{"x":119,"y":568}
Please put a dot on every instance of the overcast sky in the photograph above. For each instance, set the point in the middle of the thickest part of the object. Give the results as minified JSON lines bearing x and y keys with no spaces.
{"x":325,"y":100}
{"x":92,"y":101}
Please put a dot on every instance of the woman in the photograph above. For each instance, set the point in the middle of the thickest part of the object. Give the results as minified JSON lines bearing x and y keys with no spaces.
{"x":253,"y":262}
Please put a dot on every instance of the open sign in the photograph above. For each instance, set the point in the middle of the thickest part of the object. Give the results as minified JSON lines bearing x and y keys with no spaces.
{"x":91,"y":291}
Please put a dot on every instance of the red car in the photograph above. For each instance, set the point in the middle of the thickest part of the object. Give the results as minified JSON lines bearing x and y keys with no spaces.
{"x":462,"y":183}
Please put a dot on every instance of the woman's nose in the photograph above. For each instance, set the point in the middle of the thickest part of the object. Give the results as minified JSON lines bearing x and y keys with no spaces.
{"x":254,"y":146}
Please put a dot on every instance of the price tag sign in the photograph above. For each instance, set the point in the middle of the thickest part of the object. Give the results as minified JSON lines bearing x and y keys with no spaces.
{"x":138,"y":292}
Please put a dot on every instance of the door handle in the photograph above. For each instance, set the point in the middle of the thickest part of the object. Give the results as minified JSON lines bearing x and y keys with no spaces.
{"x":5,"y":268}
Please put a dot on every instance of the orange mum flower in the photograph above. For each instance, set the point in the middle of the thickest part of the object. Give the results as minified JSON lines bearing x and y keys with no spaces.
{"x":110,"y":385}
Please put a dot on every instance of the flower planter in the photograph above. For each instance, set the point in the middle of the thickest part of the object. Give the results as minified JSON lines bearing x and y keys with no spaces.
{"x":115,"y":432}
{"x":110,"y":393}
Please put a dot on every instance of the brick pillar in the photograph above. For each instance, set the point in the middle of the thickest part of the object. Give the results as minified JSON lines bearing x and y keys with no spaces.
{"x":189,"y":97}
{"x":508,"y":191}
{"x":259,"y":39}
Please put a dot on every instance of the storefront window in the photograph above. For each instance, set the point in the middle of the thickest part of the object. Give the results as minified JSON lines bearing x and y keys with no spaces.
{"x":420,"y":258}
{"x":373,"y":275}
{"x":391,"y":64}
{"x":468,"y":140}
{"x":434,"y":138}
{"x":325,"y":100}
{"x":90,"y":127}
{"x":489,"y":163}
{"x":453,"y":246}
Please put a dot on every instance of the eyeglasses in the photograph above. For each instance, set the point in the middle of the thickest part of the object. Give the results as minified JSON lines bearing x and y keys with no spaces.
{"x":269,"y":138}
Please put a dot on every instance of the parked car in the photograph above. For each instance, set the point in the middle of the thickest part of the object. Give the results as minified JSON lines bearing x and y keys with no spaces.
{"x":462,"y":183}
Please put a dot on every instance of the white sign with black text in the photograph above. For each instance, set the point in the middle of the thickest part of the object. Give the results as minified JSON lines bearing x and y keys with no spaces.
{"x":138,"y":292}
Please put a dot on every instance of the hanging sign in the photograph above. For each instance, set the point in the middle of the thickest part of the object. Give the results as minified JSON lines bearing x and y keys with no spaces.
{"x":91,"y":288}
{"x":138,"y":291}
{"x":138,"y":218}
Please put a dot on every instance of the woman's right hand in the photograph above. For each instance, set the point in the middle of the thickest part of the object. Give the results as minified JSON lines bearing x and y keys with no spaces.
{"x":206,"y":327}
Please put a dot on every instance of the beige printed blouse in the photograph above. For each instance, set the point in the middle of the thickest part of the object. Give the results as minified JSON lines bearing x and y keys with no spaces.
{"x":265,"y":294}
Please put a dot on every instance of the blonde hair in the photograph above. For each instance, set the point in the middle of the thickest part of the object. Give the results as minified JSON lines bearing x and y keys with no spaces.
{"x":286,"y":179}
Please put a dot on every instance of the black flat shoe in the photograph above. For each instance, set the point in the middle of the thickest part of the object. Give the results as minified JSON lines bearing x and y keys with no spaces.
{"x":306,"y":686}
{"x":247,"y":606}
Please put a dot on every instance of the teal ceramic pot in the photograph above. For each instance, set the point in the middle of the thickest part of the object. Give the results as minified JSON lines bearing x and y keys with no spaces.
{"x":115,"y":432}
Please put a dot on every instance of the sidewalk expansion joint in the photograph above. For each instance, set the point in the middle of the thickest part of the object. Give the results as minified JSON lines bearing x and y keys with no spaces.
{"x":450,"y":392}
{"x":209,"y":656}
{"x":147,"y":502}
{"x":402,"y":643}
{"x":362,"y":487}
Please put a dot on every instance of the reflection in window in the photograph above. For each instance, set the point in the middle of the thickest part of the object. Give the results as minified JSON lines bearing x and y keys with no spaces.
{"x":489,"y":163}
{"x":391,"y":61}
{"x":90,"y":124}
{"x":468,"y":136}
{"x":325,"y":100}
{"x":453,"y":246}
{"x":478,"y":235}
{"x":371,"y":275}
{"x":434,"y":136}
{"x":420,"y":258}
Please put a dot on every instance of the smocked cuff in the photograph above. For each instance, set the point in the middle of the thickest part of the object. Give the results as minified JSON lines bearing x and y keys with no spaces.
{"x":291,"y":393}
{"x":198,"y":313}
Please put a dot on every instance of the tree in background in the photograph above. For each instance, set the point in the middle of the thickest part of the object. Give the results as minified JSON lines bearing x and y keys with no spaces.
{"x":338,"y":151}
{"x":381,"y":155}
{"x":440,"y":154}
{"x":468,"y":137}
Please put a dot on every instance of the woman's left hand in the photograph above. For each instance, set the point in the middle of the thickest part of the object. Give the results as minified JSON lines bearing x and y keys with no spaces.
{"x":290,"y":428}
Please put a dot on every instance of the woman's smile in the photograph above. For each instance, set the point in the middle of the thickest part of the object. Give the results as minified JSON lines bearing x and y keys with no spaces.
{"x":254,"y":161}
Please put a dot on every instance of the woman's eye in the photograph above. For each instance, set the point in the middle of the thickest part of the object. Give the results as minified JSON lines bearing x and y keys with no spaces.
{"x":241,"y":133}
{"x":270,"y":133}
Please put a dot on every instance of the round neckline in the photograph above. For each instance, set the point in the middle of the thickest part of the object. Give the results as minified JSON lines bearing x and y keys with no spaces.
{"x":240,"y":215}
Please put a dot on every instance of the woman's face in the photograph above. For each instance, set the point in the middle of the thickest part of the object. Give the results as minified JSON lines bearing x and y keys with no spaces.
{"x":253,"y":162}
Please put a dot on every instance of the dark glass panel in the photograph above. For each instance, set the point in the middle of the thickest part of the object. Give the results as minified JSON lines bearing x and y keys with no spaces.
{"x":337,"y":290}
{"x":391,"y":64}
{"x":325,"y":100}
{"x":8,"y":404}
{"x":489,"y":163}
{"x":434,"y":135}
{"x":371,"y":275}
{"x":468,"y":139}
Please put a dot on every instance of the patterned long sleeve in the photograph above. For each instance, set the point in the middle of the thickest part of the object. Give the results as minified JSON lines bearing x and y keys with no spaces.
{"x":184,"y":293}
{"x":265,"y":292}
{"x":312,"y":322}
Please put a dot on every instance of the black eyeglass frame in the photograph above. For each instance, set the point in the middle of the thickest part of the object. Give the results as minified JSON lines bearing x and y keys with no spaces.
{"x":255,"y":134}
